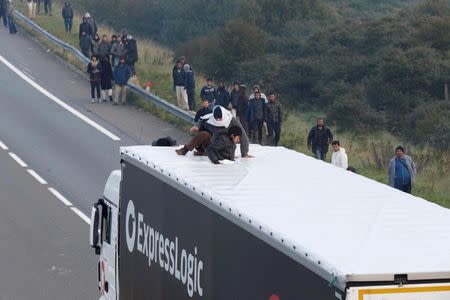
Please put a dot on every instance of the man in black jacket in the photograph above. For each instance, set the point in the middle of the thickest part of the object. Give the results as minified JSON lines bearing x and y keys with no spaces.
{"x":319,"y":138}
{"x":67,"y":14}
{"x":274,"y":117}
{"x":222,"y":96}
{"x":86,"y":28}
{"x":131,"y":54}
{"x":223,"y":145}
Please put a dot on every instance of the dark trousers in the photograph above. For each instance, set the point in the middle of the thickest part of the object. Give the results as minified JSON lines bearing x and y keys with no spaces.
{"x":95,"y":85}
{"x":242,"y":118}
{"x":274,"y":132}
{"x":200,"y":141}
{"x":5,"y":20}
{"x":403,"y":187}
{"x":133,"y":69}
{"x":48,"y":6}
{"x":257,"y":128}
{"x":12,"y":25}
{"x":321,"y":153}
{"x":68,"y":25}
{"x":191,"y":99}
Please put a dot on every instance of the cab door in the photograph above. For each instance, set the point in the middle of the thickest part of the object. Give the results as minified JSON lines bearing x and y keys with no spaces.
{"x":108,"y":255}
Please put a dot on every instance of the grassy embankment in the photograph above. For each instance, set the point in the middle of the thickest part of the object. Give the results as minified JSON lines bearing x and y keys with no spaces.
{"x":369,"y":154}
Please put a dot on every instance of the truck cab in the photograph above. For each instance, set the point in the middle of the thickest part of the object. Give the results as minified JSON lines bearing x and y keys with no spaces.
{"x":104,"y":236}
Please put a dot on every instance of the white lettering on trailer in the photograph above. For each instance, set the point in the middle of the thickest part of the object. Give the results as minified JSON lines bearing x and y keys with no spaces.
{"x":130,"y":213}
{"x":163,"y":251}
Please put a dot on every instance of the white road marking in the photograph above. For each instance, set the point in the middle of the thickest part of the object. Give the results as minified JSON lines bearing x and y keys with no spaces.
{"x":60,"y":197}
{"x":18,"y":160}
{"x":81,"y":215}
{"x":3,"y":146}
{"x":37,"y":177}
{"x":52,"y":190}
{"x":59,"y":101}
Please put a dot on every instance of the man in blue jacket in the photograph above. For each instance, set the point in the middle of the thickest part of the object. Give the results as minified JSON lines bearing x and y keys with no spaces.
{"x":402,"y":171}
{"x":122,"y":74}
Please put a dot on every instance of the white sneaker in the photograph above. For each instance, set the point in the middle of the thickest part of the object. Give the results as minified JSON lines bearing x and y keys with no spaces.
{"x":93,"y":101}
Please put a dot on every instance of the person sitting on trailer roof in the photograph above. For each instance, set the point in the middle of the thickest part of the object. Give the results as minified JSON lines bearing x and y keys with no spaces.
{"x":223,"y":145}
{"x":210,"y":124}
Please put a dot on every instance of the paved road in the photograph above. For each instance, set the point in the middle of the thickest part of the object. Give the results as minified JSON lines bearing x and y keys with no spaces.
{"x":67,"y":152}
{"x":44,"y":251}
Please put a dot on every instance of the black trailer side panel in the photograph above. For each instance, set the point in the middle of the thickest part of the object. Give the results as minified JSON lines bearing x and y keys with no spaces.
{"x":235,"y":264}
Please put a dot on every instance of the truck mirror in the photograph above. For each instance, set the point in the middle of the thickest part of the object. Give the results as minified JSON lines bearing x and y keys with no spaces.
{"x":95,"y":229}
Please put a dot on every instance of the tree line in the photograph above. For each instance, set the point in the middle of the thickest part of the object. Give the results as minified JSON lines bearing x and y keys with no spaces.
{"x":384,"y":71}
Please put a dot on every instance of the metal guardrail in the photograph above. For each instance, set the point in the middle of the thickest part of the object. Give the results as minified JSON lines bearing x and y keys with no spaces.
{"x":150,"y":97}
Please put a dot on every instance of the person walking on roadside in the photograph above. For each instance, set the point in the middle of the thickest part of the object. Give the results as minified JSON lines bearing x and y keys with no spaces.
{"x":255,"y":117}
{"x":208,"y":92}
{"x":106,"y":80}
{"x":242,"y":107}
{"x":95,"y":44}
{"x":339,"y":158}
{"x":273,"y":118}
{"x":402,"y":171}
{"x":257,"y":88}
{"x":319,"y":138}
{"x":223,"y":97}
{"x":117,"y":51}
{"x":189,"y":85}
{"x":3,"y":6}
{"x":31,"y":9}
{"x":86,"y":44}
{"x":95,"y":75}
{"x":131,"y":54}
{"x":86,"y":28}
{"x":179,"y":81}
{"x":91,"y":21}
{"x":122,"y":73}
{"x":48,"y":7}
{"x":10,"y":14}
{"x":67,"y":14}
{"x":103,"y":48}
{"x":235,"y":93}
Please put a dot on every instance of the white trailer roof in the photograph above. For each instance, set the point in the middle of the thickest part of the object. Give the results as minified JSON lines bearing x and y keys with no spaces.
{"x":358,"y":229}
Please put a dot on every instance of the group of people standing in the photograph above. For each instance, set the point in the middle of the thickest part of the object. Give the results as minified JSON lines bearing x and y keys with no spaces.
{"x":112,"y":61}
{"x":254,"y":112}
{"x":101,"y":78}
{"x":119,"y":46}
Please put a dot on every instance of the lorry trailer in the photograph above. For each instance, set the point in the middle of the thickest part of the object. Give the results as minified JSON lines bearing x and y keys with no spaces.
{"x":279,"y":226}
